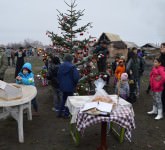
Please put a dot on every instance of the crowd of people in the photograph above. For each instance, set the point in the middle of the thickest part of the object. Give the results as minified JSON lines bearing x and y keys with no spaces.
{"x":64,"y":76}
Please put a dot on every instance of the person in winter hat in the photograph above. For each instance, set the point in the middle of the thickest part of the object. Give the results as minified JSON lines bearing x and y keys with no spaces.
{"x":101,"y":51}
{"x":52,"y":76}
{"x":120,"y":69}
{"x":26,"y":77}
{"x":68,"y":77}
{"x":157,"y":81}
{"x":122,"y":88}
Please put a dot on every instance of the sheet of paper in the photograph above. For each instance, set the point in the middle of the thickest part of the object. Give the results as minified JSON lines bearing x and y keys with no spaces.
{"x":2,"y":85}
{"x":90,"y":105}
{"x":104,"y":107}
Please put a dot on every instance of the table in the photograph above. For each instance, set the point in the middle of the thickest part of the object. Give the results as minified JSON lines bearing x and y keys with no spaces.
{"x":119,"y":116}
{"x":15,"y":108}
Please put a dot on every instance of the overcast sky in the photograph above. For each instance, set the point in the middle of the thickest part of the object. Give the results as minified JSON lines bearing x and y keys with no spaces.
{"x":139,"y":21}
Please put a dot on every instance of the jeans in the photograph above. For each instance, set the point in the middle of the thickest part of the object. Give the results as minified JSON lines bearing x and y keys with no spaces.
{"x":62,"y":105}
{"x":57,"y":98}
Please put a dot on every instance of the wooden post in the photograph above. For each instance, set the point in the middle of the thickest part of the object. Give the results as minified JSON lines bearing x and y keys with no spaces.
{"x":103,"y":145}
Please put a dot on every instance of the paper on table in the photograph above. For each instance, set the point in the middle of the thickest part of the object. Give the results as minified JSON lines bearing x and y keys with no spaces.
{"x":101,"y":106}
{"x":89,"y":105}
{"x":105,"y":107}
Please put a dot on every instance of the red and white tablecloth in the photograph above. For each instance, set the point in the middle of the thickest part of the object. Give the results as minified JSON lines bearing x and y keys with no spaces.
{"x":122,"y":116}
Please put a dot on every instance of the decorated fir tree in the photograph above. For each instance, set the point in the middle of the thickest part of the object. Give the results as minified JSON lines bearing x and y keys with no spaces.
{"x":75,"y":40}
{"x":69,"y":41}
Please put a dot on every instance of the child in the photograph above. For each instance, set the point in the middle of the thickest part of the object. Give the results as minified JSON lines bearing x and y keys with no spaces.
{"x":119,"y":69}
{"x":157,"y":80}
{"x":43,"y":76}
{"x":26,"y":77}
{"x":122,"y":87}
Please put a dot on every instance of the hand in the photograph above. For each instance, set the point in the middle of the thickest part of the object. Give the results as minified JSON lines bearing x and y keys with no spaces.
{"x":130,"y":72}
{"x":18,"y":78}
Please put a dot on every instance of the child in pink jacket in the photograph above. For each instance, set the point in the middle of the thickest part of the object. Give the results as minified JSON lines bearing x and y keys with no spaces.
{"x":157,"y":80}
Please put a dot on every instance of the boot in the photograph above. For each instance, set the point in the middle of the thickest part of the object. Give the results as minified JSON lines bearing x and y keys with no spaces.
{"x":153,"y":111}
{"x":160,"y":114}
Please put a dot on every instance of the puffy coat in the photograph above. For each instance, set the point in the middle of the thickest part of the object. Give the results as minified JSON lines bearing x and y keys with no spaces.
{"x":52,"y":74}
{"x":27,"y":79}
{"x":157,"y":79}
{"x":68,"y":77}
{"x":119,"y":70}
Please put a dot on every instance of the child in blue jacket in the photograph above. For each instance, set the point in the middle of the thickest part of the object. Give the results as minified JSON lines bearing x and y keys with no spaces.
{"x":26,"y":77}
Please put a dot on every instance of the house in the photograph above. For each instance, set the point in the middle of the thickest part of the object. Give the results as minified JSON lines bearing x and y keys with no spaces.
{"x":151,"y":50}
{"x":116,"y":45}
{"x":150,"y":46}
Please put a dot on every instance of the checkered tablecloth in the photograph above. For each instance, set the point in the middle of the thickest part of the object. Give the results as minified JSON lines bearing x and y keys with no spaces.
{"x":121,"y":116}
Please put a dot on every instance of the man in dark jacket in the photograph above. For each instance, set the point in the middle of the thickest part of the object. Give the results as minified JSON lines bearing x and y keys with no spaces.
{"x":52,"y":76}
{"x":101,"y":52}
{"x":20,"y":60}
{"x":134,"y":68}
{"x":68,"y":77}
{"x":3,"y":64}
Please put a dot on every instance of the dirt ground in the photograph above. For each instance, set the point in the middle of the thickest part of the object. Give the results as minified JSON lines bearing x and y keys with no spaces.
{"x":46,"y":132}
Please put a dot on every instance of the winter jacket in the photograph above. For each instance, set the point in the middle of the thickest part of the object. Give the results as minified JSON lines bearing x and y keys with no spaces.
{"x":3,"y":64}
{"x":124,"y":89}
{"x":157,"y":79}
{"x":20,"y":61}
{"x":27,"y":79}
{"x":119,"y":70}
{"x":52,"y":74}
{"x":68,"y":77}
{"x":101,"y":50}
{"x":8,"y":52}
{"x":135,"y":65}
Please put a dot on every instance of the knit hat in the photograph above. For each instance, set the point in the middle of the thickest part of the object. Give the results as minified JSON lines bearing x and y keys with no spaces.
{"x":124,"y":76}
{"x":68,"y":57}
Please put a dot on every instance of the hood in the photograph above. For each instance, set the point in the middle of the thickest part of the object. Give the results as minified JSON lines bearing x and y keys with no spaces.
{"x":28,"y":66}
{"x":66,"y":67}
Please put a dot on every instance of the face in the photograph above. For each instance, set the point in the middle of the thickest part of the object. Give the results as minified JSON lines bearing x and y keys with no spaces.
{"x":162,"y":49}
{"x":156,"y":63}
{"x":25,"y":71}
{"x":121,"y":63}
{"x":135,"y":51}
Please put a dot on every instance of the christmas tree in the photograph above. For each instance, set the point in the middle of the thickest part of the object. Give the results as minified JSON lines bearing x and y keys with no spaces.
{"x":69,"y":42}
{"x":70,"y":32}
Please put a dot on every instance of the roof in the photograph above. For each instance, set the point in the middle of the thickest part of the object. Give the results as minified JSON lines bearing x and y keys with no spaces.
{"x":150,"y":45}
{"x":111,"y":37}
{"x":131,"y":44}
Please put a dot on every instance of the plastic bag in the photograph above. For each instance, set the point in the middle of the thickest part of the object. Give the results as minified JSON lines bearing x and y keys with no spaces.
{"x":101,"y":95}
{"x":100,"y":83}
